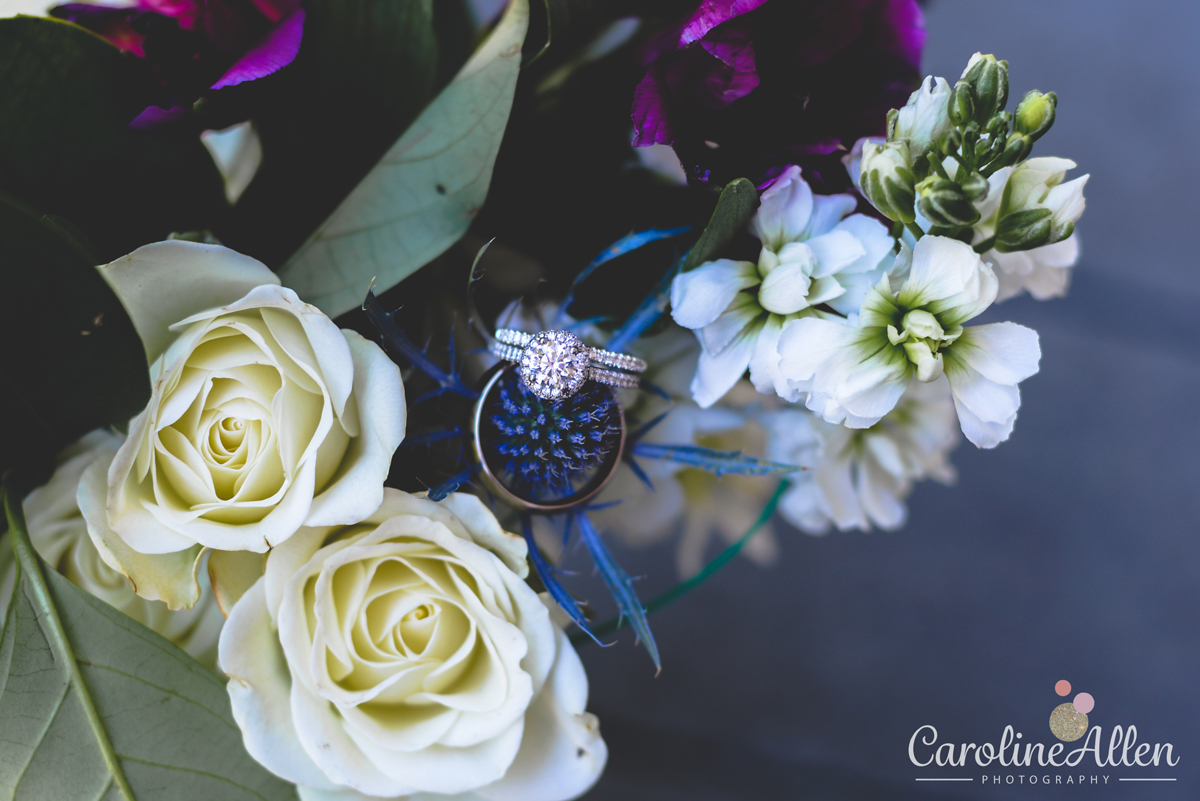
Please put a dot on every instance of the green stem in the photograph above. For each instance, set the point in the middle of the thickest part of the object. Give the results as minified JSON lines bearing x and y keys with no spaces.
{"x":29,"y":570}
{"x":986,"y":245}
{"x":916,"y":229}
{"x":684,"y":587}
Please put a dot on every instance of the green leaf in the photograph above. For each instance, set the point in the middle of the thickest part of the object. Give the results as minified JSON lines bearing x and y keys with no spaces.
{"x":97,"y":706}
{"x":366,"y":69}
{"x":735,"y":207}
{"x":421,"y":198}
{"x":66,"y":146}
{"x":70,"y":360}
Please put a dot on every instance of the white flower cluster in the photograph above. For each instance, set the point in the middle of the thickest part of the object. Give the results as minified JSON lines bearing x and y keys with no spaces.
{"x":864,"y":330}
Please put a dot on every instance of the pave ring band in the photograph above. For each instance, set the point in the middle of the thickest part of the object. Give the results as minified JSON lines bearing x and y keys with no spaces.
{"x":554,"y":364}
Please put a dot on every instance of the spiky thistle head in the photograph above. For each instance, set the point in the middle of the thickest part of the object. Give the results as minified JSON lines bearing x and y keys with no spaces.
{"x":547,"y":448}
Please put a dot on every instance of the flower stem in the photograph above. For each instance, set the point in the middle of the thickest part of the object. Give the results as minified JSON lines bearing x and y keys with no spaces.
{"x":915,"y":229}
{"x":684,"y":587}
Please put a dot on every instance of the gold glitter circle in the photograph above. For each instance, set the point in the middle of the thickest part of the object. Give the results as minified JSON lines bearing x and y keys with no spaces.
{"x":1067,"y":723}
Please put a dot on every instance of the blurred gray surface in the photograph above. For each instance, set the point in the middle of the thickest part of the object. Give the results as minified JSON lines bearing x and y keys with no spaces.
{"x":1070,"y":552}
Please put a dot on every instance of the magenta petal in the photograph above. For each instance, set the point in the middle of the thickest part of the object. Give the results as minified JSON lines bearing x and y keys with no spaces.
{"x":712,"y":13}
{"x":272,"y":54}
{"x":734,"y":46}
{"x":153,"y":116}
{"x":905,"y":22}
{"x":651,"y":119}
{"x":276,"y":10}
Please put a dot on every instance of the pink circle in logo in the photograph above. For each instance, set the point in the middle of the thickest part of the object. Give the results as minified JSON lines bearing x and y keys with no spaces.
{"x":1063,"y":688}
{"x":1084,"y":703}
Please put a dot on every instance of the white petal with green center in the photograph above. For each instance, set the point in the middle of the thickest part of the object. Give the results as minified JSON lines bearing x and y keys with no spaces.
{"x":784,"y":210}
{"x":698,"y":297}
{"x":835,"y":251}
{"x":716,"y":373}
{"x":740,"y":314}
{"x":785,"y":290}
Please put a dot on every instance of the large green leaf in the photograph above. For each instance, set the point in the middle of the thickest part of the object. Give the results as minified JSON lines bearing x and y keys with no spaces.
{"x":66,"y":147}
{"x":421,"y":198}
{"x":97,"y":706}
{"x":70,"y":360}
{"x":365,"y":70}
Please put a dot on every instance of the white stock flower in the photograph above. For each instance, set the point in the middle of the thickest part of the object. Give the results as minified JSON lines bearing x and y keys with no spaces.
{"x":859,"y":478}
{"x":854,"y":372}
{"x":815,"y":251}
{"x":1045,"y":272}
{"x":59,"y":534}
{"x":924,"y":119}
{"x":405,"y":655}
{"x":263,"y":417}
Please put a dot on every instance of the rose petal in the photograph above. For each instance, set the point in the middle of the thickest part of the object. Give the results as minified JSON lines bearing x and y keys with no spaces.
{"x":163,"y":283}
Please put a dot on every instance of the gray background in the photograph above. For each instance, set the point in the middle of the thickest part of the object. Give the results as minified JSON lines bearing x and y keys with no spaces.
{"x":1069,"y":552}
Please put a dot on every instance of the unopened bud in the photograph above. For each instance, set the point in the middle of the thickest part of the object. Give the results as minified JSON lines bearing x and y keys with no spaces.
{"x":887,"y":180}
{"x":1016,"y":150}
{"x":944,"y":203}
{"x":962,"y":103}
{"x":998,"y":123}
{"x":974,"y":186}
{"x":988,"y":79}
{"x":1024,"y":230}
{"x":952,"y":142}
{"x":1035,"y":114}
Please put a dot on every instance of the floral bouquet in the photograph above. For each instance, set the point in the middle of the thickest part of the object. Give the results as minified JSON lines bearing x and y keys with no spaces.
{"x":675,"y":269}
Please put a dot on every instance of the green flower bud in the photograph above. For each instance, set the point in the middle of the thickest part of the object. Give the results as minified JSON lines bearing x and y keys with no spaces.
{"x":1024,"y":230}
{"x":944,"y":203}
{"x":999,"y":123}
{"x":1016,"y":150}
{"x":887,"y":180}
{"x":988,"y":79}
{"x":1035,"y":114}
{"x":962,"y":103}
{"x":974,"y":186}
{"x":952,"y":142}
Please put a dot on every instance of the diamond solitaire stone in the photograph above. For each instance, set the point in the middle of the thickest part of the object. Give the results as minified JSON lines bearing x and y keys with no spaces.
{"x":555,"y":364}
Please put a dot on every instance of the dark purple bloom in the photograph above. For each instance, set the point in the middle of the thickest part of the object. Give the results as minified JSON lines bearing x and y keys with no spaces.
{"x":195,"y":46}
{"x":743,"y":88}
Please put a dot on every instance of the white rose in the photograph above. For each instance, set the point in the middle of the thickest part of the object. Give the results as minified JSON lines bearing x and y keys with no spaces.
{"x":406,"y":655}
{"x":60,"y":536}
{"x":263,"y":417}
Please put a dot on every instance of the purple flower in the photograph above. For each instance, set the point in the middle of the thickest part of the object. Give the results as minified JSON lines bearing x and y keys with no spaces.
{"x":195,"y":46}
{"x":743,"y":88}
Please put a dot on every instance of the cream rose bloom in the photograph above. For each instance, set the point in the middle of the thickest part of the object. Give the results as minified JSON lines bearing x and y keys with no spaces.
{"x":60,"y":536}
{"x":406,"y":657}
{"x":263,"y":418}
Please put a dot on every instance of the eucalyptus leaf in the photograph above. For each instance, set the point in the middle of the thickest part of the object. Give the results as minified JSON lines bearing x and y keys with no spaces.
{"x":70,"y":360}
{"x":735,"y":207}
{"x":66,"y":147}
{"x":366,"y":69}
{"x":97,"y":706}
{"x":421,"y":198}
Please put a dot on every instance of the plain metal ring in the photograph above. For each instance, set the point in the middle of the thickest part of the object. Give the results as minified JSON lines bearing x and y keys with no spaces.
{"x":496,"y":487}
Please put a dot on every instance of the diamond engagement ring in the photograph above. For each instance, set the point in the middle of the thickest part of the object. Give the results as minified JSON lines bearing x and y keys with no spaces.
{"x":554,"y":364}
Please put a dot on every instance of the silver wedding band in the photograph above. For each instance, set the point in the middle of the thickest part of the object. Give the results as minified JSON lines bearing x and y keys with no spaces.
{"x":555,"y":364}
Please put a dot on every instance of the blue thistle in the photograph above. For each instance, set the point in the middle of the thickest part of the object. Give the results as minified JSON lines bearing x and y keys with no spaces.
{"x":548,"y":449}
